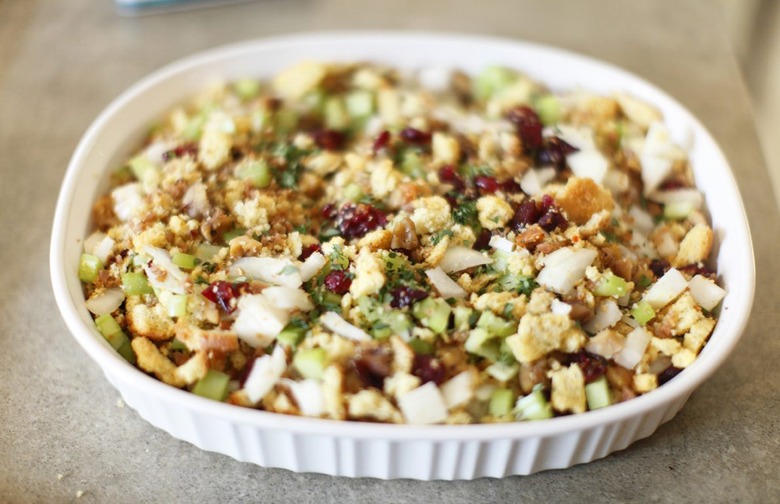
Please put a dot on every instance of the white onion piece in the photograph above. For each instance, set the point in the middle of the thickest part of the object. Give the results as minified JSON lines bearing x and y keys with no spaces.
{"x":642,"y":220}
{"x":564,"y":268}
{"x":558,"y":307}
{"x":606,"y":344}
{"x":308,"y":395}
{"x":607,"y":314}
{"x":173,"y":279}
{"x":311,"y":266}
{"x":690,"y":197}
{"x":501,"y":243}
{"x":105,"y":302}
{"x":588,"y":164}
{"x":288,"y":298}
{"x":338,"y":325}
{"x":423,"y":405}
{"x":459,"y":389}
{"x":265,"y":373}
{"x":667,"y":247}
{"x":657,"y":156}
{"x":632,"y":352}
{"x":458,"y":258}
{"x":92,"y":241}
{"x":259,"y":320}
{"x":104,"y":249}
{"x":534,"y":180}
{"x":436,"y":79}
{"x":127,"y":200}
{"x":156,"y":150}
{"x":444,"y":285}
{"x":638,"y":111}
{"x":270,"y":270}
{"x":666,"y":289}
{"x":705,"y":292}
{"x":196,"y":200}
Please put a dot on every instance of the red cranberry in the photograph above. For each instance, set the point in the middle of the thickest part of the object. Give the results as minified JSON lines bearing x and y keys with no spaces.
{"x":483,"y":240}
{"x":593,"y":366}
{"x":373,"y":366}
{"x":337,"y":282}
{"x":223,"y":293}
{"x":669,"y":185}
{"x":552,"y":220}
{"x":449,"y":175}
{"x":528,"y":213}
{"x":698,"y":269}
{"x":381,"y":141}
{"x":428,"y":369}
{"x":528,"y":125}
{"x":510,"y":186}
{"x":328,"y":139}
{"x":404,"y":296}
{"x":667,"y":374}
{"x":328,"y":211}
{"x":354,"y":221}
{"x":308,"y":250}
{"x":485,"y":184}
{"x":415,"y":136}
{"x":547,"y":202}
{"x":554,"y":153}
{"x":189,"y":148}
{"x":659,"y":267}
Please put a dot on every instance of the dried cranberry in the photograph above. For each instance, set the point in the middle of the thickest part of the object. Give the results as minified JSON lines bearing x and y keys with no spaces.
{"x":449,"y":175}
{"x":373,"y":366}
{"x":483,"y":240}
{"x":668,"y":185}
{"x":381,"y":141}
{"x":528,"y":125}
{"x":354,"y":221}
{"x":667,"y":374}
{"x":308,"y":250}
{"x":554,"y":153}
{"x":552,"y":220}
{"x":415,"y":136}
{"x":510,"y":186}
{"x":428,"y":369}
{"x":337,"y":282}
{"x":528,"y":213}
{"x":593,"y":366}
{"x":659,"y":267}
{"x":189,"y":148}
{"x":328,"y":211}
{"x":328,"y":139}
{"x":246,"y":371}
{"x":404,"y":296}
{"x":698,"y":269}
{"x":223,"y":293}
{"x":485,"y":184}
{"x":547,"y":202}
{"x":452,"y":199}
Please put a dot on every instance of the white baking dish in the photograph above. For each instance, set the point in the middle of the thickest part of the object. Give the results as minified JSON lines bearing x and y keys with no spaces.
{"x":378,"y":450}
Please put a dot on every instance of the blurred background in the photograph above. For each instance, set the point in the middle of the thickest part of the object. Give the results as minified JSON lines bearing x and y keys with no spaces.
{"x":754,"y":27}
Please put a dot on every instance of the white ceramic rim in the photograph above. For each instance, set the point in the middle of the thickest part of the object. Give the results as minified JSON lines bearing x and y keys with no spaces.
{"x":737,"y":304}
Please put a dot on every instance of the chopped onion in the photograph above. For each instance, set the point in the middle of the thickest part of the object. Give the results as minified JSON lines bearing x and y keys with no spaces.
{"x":642,"y":220}
{"x":127,"y":200}
{"x":564,"y":268}
{"x":535,"y":179}
{"x":196,"y":200}
{"x":446,"y":286}
{"x":501,"y":243}
{"x":435,"y":79}
{"x":173,"y":279}
{"x":639,"y":112}
{"x":270,"y":270}
{"x":259,"y":320}
{"x":266,"y":372}
{"x":667,"y":246}
{"x":423,"y":405}
{"x":92,"y":241}
{"x":311,"y":266}
{"x":458,"y":258}
{"x":690,"y":197}
{"x":607,"y":314}
{"x":589,"y":163}
{"x":666,"y":289}
{"x":338,"y":325}
{"x":558,"y":307}
{"x":459,"y":389}
{"x":632,"y":352}
{"x":288,"y":298}
{"x":705,"y":292}
{"x":106,"y":301}
{"x":606,"y":344}
{"x":308,"y":395}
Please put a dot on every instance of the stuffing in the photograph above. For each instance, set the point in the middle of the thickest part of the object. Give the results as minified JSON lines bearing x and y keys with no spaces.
{"x":151,"y":360}
{"x":494,"y":212}
{"x":333,"y":390}
{"x":370,"y":403}
{"x":431,"y":214}
{"x":695,"y":247}
{"x":645,"y":382}
{"x":697,"y":335}
{"x":150,"y":322}
{"x":369,"y":274}
{"x":581,"y":198}
{"x":400,"y":383}
{"x":538,"y":335}
{"x":446,"y":149}
{"x":568,"y":390}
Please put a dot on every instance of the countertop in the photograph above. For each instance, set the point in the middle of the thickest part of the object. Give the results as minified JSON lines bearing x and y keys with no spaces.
{"x":64,"y":437}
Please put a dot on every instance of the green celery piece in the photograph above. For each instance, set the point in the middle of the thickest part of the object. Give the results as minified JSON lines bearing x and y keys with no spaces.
{"x":360,"y":104}
{"x":184,"y":261}
{"x":481,"y":342}
{"x":110,"y":329}
{"x":534,"y":406}
{"x":433,"y":313}
{"x":503,"y":372}
{"x":126,"y":350}
{"x":611,"y":285}
{"x":247,"y":88}
{"x":212,"y":386}
{"x":293,"y":333}
{"x":311,"y":363}
{"x":398,"y":321}
{"x":194,"y":127}
{"x":369,"y":308}
{"x":496,"y":325}
{"x":421,"y":346}
{"x":234,"y":233}
{"x":136,"y":284}
{"x":677,"y":210}
{"x":353,"y":193}
{"x":395,"y":262}
{"x":642,"y":312}
{"x":500,"y":261}
{"x":412,"y":164}
{"x":336,"y":116}
{"x":285,"y":120}
{"x":256,"y":172}
{"x":381,"y":330}
{"x":598,"y":393}
{"x":177,"y":305}
{"x":462,"y":318}
{"x":548,"y":107}
{"x":141,"y":166}
{"x":314,"y":101}
{"x":206,"y":251}
{"x":492,"y":80}
{"x":177,"y":344}
{"x":501,"y":401}
{"x":89,"y":268}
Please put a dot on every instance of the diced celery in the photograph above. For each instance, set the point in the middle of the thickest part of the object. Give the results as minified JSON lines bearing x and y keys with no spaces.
{"x":246,"y":89}
{"x":395,"y":261}
{"x":314,"y":101}
{"x":293,"y":333}
{"x":110,"y":329}
{"x":89,"y":268}
{"x":412,"y":164}
{"x":194,"y":127}
{"x":311,"y":363}
{"x":462,"y":318}
{"x":234,"y":233}
{"x":360,"y":104}
{"x":678,"y":210}
{"x":503,"y":372}
{"x":177,"y":344}
{"x":141,"y":166}
{"x":491,"y":80}
{"x":598,"y":393}
{"x":381,"y":330}
{"x":611,"y":285}
{"x":139,"y":260}
{"x":285,"y":120}
{"x":642,"y":312}
{"x":126,"y":350}
{"x":353,"y":193}
{"x":549,"y":109}
{"x":369,"y":308}
{"x":206,"y":252}
{"x":255,"y":172}
{"x":496,"y":325}
{"x":136,"y":284}
{"x":433,"y":313}
{"x":517,"y":283}
{"x":534,"y":406}
{"x":481,"y":342}
{"x":500,"y":261}
{"x":184,"y":261}
{"x":177,"y":305}
{"x":501,"y":402}
{"x":336,"y":116}
{"x":421,"y":346}
{"x":212,"y":386}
